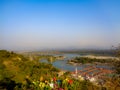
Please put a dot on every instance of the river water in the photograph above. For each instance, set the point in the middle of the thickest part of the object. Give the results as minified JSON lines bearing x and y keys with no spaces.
{"x":63,"y":65}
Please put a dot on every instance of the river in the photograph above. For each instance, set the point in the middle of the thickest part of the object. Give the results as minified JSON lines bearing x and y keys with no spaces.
{"x":63,"y":65}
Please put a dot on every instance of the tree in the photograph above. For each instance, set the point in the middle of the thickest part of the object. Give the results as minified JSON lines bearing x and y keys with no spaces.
{"x":118,"y":52}
{"x":117,"y":63}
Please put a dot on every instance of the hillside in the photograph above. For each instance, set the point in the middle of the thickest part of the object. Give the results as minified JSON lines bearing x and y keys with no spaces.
{"x":18,"y":72}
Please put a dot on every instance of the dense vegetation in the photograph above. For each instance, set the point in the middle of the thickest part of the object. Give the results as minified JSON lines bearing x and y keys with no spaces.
{"x":117,"y":63}
{"x":17,"y":68}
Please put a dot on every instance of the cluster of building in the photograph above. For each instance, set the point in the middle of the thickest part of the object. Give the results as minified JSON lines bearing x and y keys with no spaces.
{"x":92,"y":73}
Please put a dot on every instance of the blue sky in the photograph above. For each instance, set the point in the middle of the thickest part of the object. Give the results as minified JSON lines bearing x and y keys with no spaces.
{"x":57,"y":24}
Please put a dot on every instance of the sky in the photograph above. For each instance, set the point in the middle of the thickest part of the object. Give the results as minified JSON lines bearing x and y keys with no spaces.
{"x":59,"y":24}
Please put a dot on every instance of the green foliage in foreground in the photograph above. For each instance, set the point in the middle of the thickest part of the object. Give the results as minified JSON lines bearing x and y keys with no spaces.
{"x":16,"y":68}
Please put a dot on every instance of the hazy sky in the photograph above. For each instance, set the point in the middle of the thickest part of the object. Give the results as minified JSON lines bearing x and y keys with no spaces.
{"x":51,"y":24}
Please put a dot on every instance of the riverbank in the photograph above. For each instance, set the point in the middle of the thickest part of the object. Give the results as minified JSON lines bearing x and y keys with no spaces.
{"x":100,"y":57}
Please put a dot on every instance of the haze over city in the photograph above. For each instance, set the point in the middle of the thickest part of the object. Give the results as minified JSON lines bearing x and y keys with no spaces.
{"x":59,"y":24}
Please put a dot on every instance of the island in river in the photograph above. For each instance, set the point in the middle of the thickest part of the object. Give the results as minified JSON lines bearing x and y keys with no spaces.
{"x":90,"y":59}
